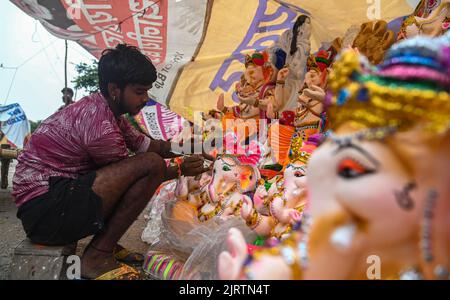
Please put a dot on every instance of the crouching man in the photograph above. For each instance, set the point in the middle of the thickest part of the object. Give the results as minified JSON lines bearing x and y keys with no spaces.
{"x":75,"y":177}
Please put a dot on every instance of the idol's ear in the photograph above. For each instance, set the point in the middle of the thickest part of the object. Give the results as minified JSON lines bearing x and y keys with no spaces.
{"x":247,"y":178}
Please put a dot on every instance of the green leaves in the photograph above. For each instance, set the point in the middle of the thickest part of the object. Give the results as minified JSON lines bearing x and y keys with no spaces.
{"x":87,"y":77}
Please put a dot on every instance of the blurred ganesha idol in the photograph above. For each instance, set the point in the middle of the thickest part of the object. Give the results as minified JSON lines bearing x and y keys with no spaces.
{"x":431,"y":18}
{"x":378,"y":188}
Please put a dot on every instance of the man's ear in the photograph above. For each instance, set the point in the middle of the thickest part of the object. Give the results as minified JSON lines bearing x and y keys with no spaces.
{"x":113,"y":90}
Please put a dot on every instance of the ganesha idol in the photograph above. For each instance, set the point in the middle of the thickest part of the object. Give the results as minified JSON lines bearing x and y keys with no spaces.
{"x":431,"y":18}
{"x":378,"y":187}
{"x":274,"y":212}
{"x":254,"y":92}
{"x":294,"y":127}
{"x":195,"y":223}
{"x":232,"y":182}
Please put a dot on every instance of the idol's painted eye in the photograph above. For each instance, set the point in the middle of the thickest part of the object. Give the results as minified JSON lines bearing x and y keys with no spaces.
{"x":349,"y":168}
{"x":226,"y":168}
{"x":298,"y":174}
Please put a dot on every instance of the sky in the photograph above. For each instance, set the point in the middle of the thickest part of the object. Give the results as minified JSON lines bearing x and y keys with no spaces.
{"x":38,"y":82}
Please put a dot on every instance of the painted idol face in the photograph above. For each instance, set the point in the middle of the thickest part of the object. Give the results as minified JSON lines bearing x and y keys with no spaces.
{"x":254,"y":75}
{"x":313,"y":77}
{"x":362,"y":203}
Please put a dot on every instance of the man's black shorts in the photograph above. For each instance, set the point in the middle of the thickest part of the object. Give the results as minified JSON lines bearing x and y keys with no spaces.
{"x":68,"y":212}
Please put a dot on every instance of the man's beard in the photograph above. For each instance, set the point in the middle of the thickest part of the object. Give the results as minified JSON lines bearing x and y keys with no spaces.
{"x":122,"y":107}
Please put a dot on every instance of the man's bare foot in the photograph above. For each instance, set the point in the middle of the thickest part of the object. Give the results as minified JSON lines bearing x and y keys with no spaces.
{"x":128,"y":257}
{"x":95,"y":263}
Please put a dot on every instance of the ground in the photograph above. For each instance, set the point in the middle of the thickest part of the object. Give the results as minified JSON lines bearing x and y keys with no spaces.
{"x":12,"y":233}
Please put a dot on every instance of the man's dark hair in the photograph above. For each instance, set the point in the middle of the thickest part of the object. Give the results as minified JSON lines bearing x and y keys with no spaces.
{"x":68,"y":90}
{"x":124,"y":65}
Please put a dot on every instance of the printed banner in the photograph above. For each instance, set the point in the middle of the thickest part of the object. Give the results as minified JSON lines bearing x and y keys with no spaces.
{"x":167,"y":31}
{"x":199,"y":45}
{"x":239,"y":27}
{"x":159,"y":122}
{"x":14,"y":124}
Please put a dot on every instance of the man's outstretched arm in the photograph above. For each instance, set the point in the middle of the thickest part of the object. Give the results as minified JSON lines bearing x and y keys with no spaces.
{"x":165,"y":149}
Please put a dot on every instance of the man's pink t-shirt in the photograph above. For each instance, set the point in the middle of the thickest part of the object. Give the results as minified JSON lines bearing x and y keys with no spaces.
{"x":80,"y":138}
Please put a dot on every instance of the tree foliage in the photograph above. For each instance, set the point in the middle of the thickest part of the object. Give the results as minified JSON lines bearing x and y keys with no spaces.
{"x":87,"y":77}
{"x":34,"y":125}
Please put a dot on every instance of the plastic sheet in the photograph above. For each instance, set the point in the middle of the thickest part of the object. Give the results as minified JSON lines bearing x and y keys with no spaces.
{"x":196,"y":243}
{"x":165,"y":193}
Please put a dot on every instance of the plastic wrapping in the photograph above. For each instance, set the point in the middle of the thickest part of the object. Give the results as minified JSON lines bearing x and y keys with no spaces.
{"x":175,"y":231}
{"x":164,"y":194}
{"x":197,"y":244}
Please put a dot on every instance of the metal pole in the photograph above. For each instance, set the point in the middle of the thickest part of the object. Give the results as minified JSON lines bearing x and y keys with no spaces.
{"x":65,"y":67}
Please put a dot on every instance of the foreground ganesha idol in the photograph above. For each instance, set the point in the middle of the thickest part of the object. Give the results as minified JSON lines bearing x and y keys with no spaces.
{"x":378,"y":187}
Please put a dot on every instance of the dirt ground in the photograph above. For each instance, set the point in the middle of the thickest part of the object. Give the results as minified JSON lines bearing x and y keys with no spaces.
{"x":11,"y":232}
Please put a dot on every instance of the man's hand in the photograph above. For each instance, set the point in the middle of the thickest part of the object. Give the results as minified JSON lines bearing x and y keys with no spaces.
{"x":163,"y":148}
{"x":193,"y":166}
{"x":194,"y":145}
